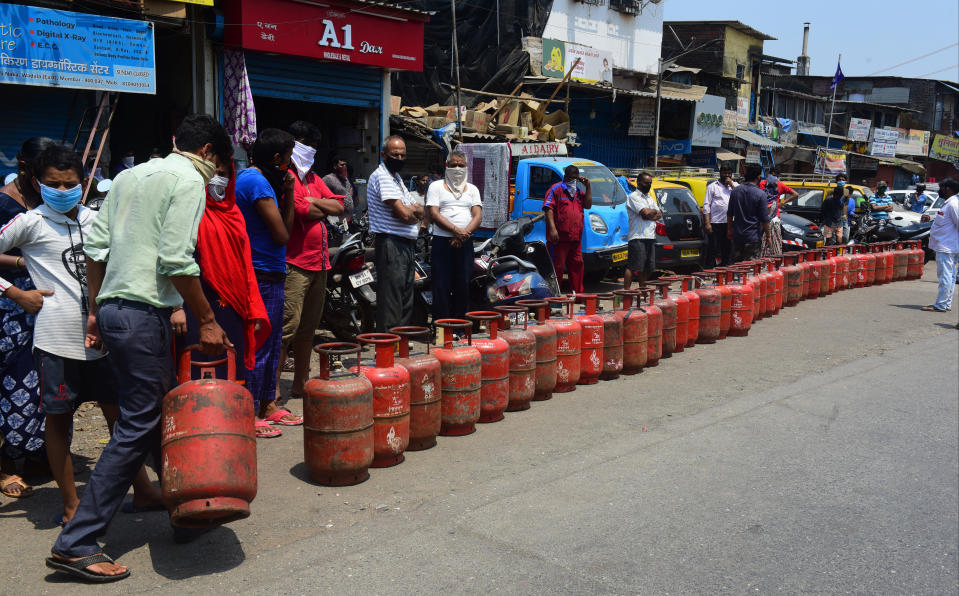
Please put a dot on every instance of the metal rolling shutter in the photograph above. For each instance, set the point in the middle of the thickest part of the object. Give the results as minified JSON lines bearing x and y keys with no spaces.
{"x":300,"y":79}
{"x":37,"y":112}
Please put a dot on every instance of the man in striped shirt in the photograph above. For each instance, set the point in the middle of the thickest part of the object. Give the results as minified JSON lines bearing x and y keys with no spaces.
{"x":395,"y":219}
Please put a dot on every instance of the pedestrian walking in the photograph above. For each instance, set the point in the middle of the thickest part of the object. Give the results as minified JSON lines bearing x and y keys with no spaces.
{"x":228,"y":281}
{"x":264,"y":194}
{"x":944,"y":239}
{"x":140,"y":267}
{"x":456,"y":210}
{"x":50,"y":238}
{"x":777,"y":194}
{"x":749,"y":216}
{"x":395,"y":219}
{"x":21,"y":417}
{"x":643,"y":213}
{"x":714,"y":212}
{"x":307,"y":259}
{"x":565,"y":204}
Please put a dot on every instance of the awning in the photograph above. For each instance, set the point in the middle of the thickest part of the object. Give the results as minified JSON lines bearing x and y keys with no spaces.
{"x":723,"y":155}
{"x":681,"y":92}
{"x":909,"y":166}
{"x":755,"y":139}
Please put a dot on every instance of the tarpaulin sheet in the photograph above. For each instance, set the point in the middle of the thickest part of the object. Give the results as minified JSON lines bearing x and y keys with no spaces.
{"x":489,"y":171}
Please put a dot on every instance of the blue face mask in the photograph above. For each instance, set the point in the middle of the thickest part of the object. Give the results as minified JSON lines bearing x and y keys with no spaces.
{"x":61,"y":201}
{"x":841,"y":183}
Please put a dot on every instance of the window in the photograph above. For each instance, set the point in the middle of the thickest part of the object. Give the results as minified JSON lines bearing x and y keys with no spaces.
{"x":676,"y":200}
{"x":540,"y":179}
{"x":740,"y":71}
{"x":810,"y":199}
{"x":606,"y":189}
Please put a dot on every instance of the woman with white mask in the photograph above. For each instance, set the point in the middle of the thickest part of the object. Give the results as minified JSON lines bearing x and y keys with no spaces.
{"x":455,"y":210}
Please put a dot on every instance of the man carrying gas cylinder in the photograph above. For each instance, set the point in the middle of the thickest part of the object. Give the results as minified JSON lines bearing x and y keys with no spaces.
{"x":564,"y":206}
{"x":140,"y":268}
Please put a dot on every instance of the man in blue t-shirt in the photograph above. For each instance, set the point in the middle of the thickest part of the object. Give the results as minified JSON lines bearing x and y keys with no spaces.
{"x":919,"y":201}
{"x":880,"y":204}
{"x":748,"y":216}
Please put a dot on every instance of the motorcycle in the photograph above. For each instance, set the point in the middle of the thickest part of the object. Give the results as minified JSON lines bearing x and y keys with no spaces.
{"x":507,"y":268}
{"x":350,"y":294}
{"x":867,"y":229}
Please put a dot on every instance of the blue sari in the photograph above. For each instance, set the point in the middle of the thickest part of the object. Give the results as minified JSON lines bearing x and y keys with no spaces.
{"x":21,"y":418}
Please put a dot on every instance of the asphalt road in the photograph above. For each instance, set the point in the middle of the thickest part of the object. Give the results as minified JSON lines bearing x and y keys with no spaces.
{"x":818,"y":454}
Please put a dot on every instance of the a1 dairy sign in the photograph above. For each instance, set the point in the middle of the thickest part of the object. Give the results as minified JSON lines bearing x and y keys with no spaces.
{"x":339,"y":33}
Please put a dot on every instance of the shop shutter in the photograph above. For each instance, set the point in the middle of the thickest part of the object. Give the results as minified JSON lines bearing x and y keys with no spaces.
{"x":37,"y":112}
{"x":301,"y":79}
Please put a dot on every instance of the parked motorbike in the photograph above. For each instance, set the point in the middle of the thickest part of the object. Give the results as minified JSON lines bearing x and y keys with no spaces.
{"x":866,"y":229}
{"x":350,"y":294}
{"x":506,"y":268}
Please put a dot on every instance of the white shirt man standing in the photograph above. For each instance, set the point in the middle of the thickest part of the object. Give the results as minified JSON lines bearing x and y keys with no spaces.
{"x":714,"y":211}
{"x":944,"y":239}
{"x":643,"y":214}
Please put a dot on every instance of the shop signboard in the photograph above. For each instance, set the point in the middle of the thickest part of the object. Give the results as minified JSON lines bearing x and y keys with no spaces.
{"x":676,"y":147}
{"x":327,"y":32}
{"x":489,"y":171}
{"x":707,"y":121}
{"x":729,"y":121}
{"x":884,"y":142}
{"x":200,"y":2}
{"x":595,"y":66}
{"x":742,"y":112}
{"x":538,"y":149}
{"x":945,"y":148}
{"x":830,"y":162}
{"x":702,"y":157}
{"x":59,"y":48}
{"x":913,"y":142}
{"x":642,"y":117}
{"x":859,"y":129}
{"x":752,"y":155}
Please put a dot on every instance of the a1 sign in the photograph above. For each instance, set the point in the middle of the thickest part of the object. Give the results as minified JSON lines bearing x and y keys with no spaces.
{"x":333,"y":32}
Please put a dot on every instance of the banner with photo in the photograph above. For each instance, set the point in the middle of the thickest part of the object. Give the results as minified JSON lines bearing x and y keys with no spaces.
{"x":595,"y":66}
{"x":830,"y":162}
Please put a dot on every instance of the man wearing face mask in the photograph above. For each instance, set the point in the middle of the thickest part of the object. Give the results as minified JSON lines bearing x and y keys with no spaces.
{"x":643,"y":214}
{"x":395,"y":219}
{"x":140,"y":267}
{"x":307,"y":254}
{"x":880,"y":204}
{"x":455,"y":208}
{"x":564,"y":206}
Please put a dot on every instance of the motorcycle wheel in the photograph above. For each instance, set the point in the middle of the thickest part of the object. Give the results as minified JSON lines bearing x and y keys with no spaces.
{"x":337,"y":318}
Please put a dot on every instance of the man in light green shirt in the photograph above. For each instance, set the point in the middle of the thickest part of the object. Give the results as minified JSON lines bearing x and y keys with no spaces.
{"x":140,"y":268}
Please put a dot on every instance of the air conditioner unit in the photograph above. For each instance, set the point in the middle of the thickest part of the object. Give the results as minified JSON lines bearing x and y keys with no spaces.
{"x":626,"y":6}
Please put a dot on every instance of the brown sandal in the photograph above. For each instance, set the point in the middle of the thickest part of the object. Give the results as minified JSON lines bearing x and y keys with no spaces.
{"x":8,"y":480}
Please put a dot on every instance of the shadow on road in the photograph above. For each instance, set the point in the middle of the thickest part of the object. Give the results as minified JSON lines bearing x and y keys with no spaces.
{"x":908,"y":306}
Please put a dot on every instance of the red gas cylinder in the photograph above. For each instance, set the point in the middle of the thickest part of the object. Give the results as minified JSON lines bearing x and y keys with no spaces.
{"x":569,"y":334}
{"x":522,"y":356}
{"x":593,"y":338}
{"x":825,"y":269}
{"x":654,"y":314}
{"x":612,"y":337}
{"x":872,"y":265}
{"x":667,"y":305}
{"x":726,"y":295}
{"x":803,"y":274}
{"x":793,"y":279}
{"x":881,"y":264}
{"x":426,"y":397}
{"x":208,"y":446}
{"x":857,"y":267}
{"x":916,"y":257}
{"x":742,"y":307}
{"x":842,"y":276}
{"x":460,"y":378}
{"x":900,"y":261}
{"x":815,"y":273}
{"x":768,"y":304}
{"x":833,"y":262}
{"x":391,"y":400}
{"x":338,"y":421}
{"x":692,"y":313}
{"x":889,"y":261}
{"x":545,"y":348}
{"x":495,"y":371}
{"x":756,"y":283}
{"x":635,"y":332}
{"x":778,"y":281}
{"x":710,"y":310}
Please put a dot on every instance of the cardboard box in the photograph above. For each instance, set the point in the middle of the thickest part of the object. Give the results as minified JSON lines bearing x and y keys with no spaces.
{"x":478,"y":121}
{"x":559,"y":123}
{"x":517,"y":132}
{"x":448,"y":112}
{"x":414,"y":112}
{"x":526,"y":119}
{"x":395,"y":103}
{"x":437,"y":122}
{"x":509,"y":116}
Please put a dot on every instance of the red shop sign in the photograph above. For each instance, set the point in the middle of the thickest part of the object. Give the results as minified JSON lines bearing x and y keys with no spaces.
{"x":359,"y":34}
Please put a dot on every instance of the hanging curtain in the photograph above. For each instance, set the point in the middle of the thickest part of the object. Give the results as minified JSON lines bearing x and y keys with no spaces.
{"x":239,"y":112}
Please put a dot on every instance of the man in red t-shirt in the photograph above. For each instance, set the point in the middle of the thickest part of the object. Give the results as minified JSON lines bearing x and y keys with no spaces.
{"x":564,"y":206}
{"x":307,"y":254}
{"x":773,"y":242}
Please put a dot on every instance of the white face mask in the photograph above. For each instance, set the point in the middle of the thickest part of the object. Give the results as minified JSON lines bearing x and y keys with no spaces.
{"x":217,"y":187}
{"x":573,"y":187}
{"x":127,"y":161}
{"x":303,"y":158}
{"x":455,"y":176}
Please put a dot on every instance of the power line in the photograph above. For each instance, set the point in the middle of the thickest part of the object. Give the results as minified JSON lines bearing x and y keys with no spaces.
{"x":952,"y":45}
{"x":938,"y":71}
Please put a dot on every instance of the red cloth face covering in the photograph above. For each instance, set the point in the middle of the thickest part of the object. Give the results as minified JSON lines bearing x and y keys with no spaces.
{"x":226,"y":264}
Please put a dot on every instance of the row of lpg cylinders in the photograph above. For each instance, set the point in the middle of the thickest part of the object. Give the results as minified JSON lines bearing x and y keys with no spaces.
{"x":369,"y":416}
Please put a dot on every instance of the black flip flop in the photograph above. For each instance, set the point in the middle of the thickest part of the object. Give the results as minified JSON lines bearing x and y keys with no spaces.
{"x":78,"y":568}
{"x":129,"y":507}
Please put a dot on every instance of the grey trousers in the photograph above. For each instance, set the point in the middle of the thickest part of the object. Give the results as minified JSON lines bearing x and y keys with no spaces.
{"x":139,"y":339}
{"x":394,"y":280}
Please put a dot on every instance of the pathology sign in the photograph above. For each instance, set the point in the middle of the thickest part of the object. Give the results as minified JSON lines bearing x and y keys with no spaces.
{"x":707,"y":124}
{"x":58,"y":48}
{"x":374,"y":36}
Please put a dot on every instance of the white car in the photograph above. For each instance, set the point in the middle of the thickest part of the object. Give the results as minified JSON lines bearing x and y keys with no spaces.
{"x":934,"y":210}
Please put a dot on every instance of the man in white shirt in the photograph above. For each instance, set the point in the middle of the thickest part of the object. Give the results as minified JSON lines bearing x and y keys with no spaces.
{"x":395,"y":219}
{"x":714,"y":212}
{"x":944,"y":239}
{"x":455,"y":209}
{"x":643,"y":214}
